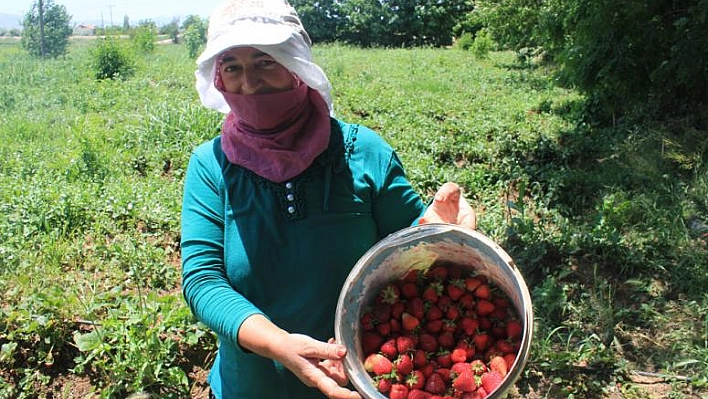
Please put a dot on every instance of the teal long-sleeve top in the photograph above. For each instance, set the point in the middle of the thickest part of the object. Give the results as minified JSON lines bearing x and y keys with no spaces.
{"x":283,"y":250}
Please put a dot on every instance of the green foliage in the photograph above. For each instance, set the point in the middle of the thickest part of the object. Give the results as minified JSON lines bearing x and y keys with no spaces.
{"x":195,"y":36}
{"x":465,"y":41}
{"x":144,"y":37}
{"x":111,"y":59}
{"x":48,"y":37}
{"x":483,"y":44}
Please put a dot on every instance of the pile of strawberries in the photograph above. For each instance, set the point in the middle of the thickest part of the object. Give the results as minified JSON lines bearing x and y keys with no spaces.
{"x":443,"y":334}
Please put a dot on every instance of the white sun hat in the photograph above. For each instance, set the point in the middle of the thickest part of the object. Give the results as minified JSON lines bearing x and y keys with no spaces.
{"x":271,"y":26}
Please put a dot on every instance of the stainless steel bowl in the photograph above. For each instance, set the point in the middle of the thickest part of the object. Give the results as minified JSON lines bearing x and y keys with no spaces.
{"x":419,"y":247}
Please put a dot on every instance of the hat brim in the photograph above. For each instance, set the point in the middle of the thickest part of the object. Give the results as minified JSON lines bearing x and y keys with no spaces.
{"x":246,"y":33}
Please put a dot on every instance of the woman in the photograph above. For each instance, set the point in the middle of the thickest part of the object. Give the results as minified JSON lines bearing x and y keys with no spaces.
{"x":281,"y":205}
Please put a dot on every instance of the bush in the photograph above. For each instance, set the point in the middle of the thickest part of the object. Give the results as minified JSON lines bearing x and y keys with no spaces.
{"x":465,"y":41}
{"x":111,"y":60}
{"x":144,"y":37}
{"x":483,"y":44}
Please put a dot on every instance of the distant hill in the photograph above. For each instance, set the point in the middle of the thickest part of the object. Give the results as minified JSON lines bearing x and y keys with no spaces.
{"x":10,"y":21}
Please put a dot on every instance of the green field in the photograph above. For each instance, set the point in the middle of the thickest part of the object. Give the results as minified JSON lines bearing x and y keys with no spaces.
{"x":600,"y":220}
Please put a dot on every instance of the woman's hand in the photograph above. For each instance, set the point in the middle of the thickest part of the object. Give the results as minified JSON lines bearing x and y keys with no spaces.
{"x":317,"y":364}
{"x":450,"y":206}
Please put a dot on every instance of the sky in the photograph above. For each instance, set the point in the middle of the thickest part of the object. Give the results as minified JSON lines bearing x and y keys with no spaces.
{"x":105,"y":10}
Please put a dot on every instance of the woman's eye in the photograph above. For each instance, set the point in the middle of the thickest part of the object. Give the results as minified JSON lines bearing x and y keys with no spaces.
{"x":267,"y":63}
{"x":231,"y":68}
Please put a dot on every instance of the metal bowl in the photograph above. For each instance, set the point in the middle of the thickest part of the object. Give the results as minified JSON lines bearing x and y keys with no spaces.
{"x":419,"y":247}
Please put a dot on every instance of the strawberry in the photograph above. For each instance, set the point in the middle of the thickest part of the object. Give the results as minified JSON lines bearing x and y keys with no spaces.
{"x":446,"y":339}
{"x":390,"y":294}
{"x":504,"y":347}
{"x":367,"y":321}
{"x":420,"y":358}
{"x":398,"y":391}
{"x":381,"y":312}
{"x":378,"y":364}
{"x":432,"y":292}
{"x":388,"y":349}
{"x":434,"y":326}
{"x":484,"y":307}
{"x":384,"y":385}
{"x":483,"y":291}
{"x":513,"y":329}
{"x":411,"y":276}
{"x":406,"y":343}
{"x":384,"y":329}
{"x":446,"y":374}
{"x":452,"y":313}
{"x":404,"y":364}
{"x":478,"y":367}
{"x":484,"y":323}
{"x":465,"y":381}
{"x":466,"y":301}
{"x":438,"y":273}
{"x":427,"y":342}
{"x":397,"y":309}
{"x":416,"y":307}
{"x":434,"y":313}
{"x":498,"y":364}
{"x":370,"y":342}
{"x":455,"y":289}
{"x":458,"y":355}
{"x":409,"y":322}
{"x":509,"y":358}
{"x":481,"y":340}
{"x":458,"y":368}
{"x":468,"y":325}
{"x":395,"y":326}
{"x":444,"y":359}
{"x":435,"y":384}
{"x":491,"y":381}
{"x":418,"y":394}
{"x":416,"y":380}
{"x":409,"y":290}
{"x":471,"y":283}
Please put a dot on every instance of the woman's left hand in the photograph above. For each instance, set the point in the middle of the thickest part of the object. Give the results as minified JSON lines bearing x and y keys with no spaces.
{"x":450,"y":206}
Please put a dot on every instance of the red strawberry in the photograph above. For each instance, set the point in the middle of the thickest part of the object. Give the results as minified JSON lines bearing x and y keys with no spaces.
{"x":367,"y":321}
{"x":455,"y":289}
{"x":458,"y":355}
{"x":416,"y":380}
{"x":384,"y":329}
{"x":398,"y":391}
{"x":381,"y":312}
{"x":446,"y":339}
{"x":438,"y":273}
{"x":444,"y":359}
{"x":411,"y":276}
{"x":513,"y":329}
{"x":444,"y":302}
{"x":370,"y":342}
{"x":388,"y":349}
{"x":409,"y":290}
{"x":404,"y":364}
{"x":465,"y":381}
{"x":434,"y":313}
{"x":491,"y":381}
{"x":483,"y":292}
{"x":484,"y":323}
{"x":504,"y":347}
{"x":458,"y":368}
{"x":416,"y":307}
{"x":484,"y":307}
{"x":478,"y":366}
{"x":471,"y":283}
{"x":409,"y":322}
{"x":390,"y":294}
{"x":452,"y":313}
{"x":397,"y":309}
{"x":509,"y":358}
{"x":384,"y":385}
{"x":432,"y":292}
{"x":481,"y":340}
{"x":434,"y":326}
{"x":435,"y":384}
{"x":420,"y":359}
{"x":418,"y":394}
{"x":395,"y":326}
{"x":378,"y":364}
{"x":466,"y":301}
{"x":427,"y":342}
{"x":446,"y":374}
{"x":405,"y":343}
{"x":498,"y":364}
{"x":468,"y":325}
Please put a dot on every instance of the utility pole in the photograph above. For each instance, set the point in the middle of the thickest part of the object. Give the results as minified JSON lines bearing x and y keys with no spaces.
{"x":41,"y":28}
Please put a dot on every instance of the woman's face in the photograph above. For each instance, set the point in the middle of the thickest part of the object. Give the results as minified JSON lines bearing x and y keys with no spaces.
{"x":246,"y":70}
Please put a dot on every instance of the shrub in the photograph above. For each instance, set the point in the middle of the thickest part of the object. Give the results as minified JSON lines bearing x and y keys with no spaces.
{"x":465,"y":41}
{"x":111,"y":60}
{"x":483,"y":44}
{"x":144,"y":37}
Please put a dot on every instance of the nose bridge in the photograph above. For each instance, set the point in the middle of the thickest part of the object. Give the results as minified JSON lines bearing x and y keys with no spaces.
{"x":251,"y":77}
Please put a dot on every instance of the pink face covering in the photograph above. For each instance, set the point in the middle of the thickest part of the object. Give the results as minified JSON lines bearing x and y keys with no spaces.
{"x":275,"y":135}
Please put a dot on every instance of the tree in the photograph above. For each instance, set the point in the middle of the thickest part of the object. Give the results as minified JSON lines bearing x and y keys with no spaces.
{"x":195,"y":30}
{"x":46,"y":29}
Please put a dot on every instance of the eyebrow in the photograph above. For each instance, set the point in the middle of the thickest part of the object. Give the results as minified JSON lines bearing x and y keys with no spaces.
{"x":259,"y":54}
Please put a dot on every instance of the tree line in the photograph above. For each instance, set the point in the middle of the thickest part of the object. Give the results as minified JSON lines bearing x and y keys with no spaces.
{"x":645,"y":57}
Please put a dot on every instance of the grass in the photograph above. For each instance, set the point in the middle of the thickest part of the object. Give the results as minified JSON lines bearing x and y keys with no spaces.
{"x":596,"y":217}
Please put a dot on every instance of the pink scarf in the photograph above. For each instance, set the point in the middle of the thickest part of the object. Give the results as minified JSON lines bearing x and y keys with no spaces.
{"x":276,"y":135}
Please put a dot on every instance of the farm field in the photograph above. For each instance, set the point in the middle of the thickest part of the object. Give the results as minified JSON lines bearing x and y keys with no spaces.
{"x":607,"y":224}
